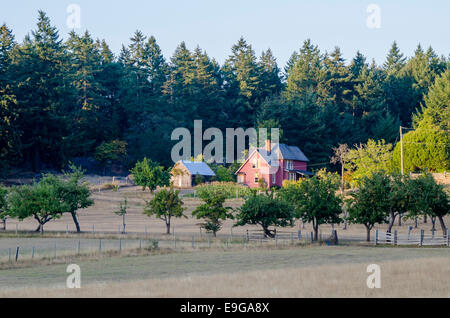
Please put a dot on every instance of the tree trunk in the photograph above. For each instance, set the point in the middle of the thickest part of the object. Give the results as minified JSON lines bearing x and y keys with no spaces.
{"x":443,"y":227}
{"x":316,"y":233}
{"x":425,"y":219}
{"x":268,"y":233}
{"x":42,"y":229}
{"x":168,"y":228}
{"x":368,"y":233}
{"x":391,"y":221}
{"x":433,"y":222}
{"x":75,"y":220}
{"x":400,"y":220}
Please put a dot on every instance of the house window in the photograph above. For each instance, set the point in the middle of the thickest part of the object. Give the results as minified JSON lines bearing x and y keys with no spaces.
{"x":256,"y":177}
{"x":274,"y":178}
{"x":240,"y":178}
{"x":292,"y":177}
{"x":289,"y":165}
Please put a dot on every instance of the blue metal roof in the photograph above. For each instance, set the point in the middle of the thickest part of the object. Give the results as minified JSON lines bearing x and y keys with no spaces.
{"x":199,"y":168}
{"x":282,"y":151}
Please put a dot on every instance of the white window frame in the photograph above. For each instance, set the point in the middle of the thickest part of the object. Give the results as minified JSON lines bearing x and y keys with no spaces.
{"x":274,"y":178}
{"x":290,"y":165}
{"x":292,"y":176}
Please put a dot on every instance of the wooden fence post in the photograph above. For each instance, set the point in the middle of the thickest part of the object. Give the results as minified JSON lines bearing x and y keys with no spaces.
{"x":376,"y":237}
{"x":312,"y":237}
{"x":17,"y":253}
{"x":335,"y":237}
{"x":448,"y":237}
{"x":421,"y":237}
{"x":100,"y":246}
{"x":79,"y":247}
{"x":120,"y":245}
{"x":395,"y":237}
{"x":409,"y":231}
{"x":299,"y":235}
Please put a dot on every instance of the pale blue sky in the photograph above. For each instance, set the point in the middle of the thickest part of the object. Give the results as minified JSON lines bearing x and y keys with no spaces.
{"x":282,"y":25}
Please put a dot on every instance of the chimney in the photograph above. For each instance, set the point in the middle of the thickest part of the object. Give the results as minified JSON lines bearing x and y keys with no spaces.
{"x":268,"y":146}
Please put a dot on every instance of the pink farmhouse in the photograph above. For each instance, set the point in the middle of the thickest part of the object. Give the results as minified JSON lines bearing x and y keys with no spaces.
{"x":274,"y":164}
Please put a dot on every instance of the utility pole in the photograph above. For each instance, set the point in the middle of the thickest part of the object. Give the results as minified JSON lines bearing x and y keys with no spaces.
{"x":401,"y":149}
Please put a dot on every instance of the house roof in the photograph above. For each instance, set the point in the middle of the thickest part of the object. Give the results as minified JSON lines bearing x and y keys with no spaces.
{"x":303,"y":172}
{"x":199,"y":168}
{"x":284,"y":152}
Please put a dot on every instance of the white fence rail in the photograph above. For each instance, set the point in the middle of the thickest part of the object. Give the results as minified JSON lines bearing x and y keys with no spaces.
{"x":408,"y":239}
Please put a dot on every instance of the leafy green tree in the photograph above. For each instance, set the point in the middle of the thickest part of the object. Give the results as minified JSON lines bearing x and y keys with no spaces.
{"x":109,"y":152}
{"x":150,"y":174}
{"x":429,"y":199}
{"x":222,"y":173}
{"x":400,"y":196}
{"x":370,"y":204}
{"x":424,"y":149}
{"x":212,"y":211}
{"x":39,"y":200}
{"x":428,"y":147}
{"x":123,"y":211}
{"x":315,"y":201}
{"x":74,"y":193}
{"x":267,"y":211}
{"x":166,"y":205}
{"x":366,"y":159}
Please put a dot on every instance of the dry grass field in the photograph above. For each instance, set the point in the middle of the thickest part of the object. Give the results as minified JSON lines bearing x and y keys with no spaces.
{"x":307,"y":272}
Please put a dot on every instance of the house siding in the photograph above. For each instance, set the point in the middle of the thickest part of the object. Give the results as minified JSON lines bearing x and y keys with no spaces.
{"x":249,"y":172}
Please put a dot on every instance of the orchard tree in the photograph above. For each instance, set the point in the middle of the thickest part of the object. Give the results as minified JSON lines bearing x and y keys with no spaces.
{"x":74,"y":192}
{"x":267,"y":211}
{"x":400,"y":194}
{"x":150,"y":174}
{"x":370,"y":204}
{"x":430,"y":199}
{"x":39,"y":200}
{"x":166,"y":205}
{"x":315,"y":201}
{"x":122,"y":211}
{"x":212,"y":211}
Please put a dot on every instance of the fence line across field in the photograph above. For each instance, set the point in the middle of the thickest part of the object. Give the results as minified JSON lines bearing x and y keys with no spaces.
{"x":420,"y":240}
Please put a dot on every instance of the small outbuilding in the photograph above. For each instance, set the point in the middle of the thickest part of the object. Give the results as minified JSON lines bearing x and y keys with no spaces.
{"x":185,"y":172}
